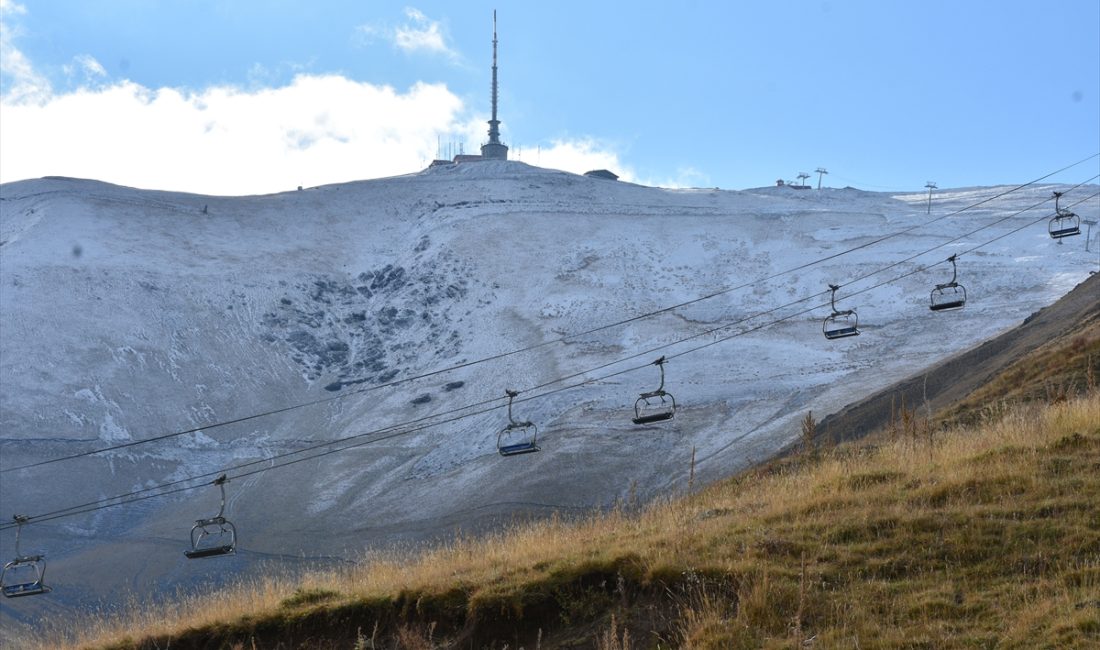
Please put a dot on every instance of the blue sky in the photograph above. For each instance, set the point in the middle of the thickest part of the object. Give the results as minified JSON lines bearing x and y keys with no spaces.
{"x":241,"y":97}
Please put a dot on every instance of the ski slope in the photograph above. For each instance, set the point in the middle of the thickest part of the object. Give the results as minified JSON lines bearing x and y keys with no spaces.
{"x":127,"y":314}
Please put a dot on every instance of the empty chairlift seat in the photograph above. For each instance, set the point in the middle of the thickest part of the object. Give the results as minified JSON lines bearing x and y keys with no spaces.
{"x":950,"y":295}
{"x":656,"y":405}
{"x":215,"y":536}
{"x":1064,"y":223}
{"x":23,"y":575}
{"x":840,"y":324}
{"x":517,"y":437}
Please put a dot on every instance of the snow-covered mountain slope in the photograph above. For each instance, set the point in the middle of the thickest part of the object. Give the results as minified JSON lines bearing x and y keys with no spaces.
{"x":127,"y":314}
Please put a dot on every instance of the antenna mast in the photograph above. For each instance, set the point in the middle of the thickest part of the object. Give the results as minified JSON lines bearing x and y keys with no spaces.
{"x":494,"y":124}
{"x":494,"y":149}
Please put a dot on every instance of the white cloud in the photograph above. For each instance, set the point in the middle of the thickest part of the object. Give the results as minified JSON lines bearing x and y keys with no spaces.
{"x":11,"y":7}
{"x":90,"y":66}
{"x":585,"y":154}
{"x":18,"y":78}
{"x":223,"y":140}
{"x":85,"y":70}
{"x":578,"y":156}
{"x":314,"y":130}
{"x":368,"y":33}
{"x":418,"y":34}
{"x":685,"y":177}
{"x":422,"y":34}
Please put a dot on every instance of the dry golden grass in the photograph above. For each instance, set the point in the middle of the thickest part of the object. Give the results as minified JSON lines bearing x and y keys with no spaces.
{"x":1055,"y":371}
{"x":980,"y":536}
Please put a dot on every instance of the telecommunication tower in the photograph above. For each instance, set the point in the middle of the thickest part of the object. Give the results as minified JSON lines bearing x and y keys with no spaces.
{"x":494,"y":149}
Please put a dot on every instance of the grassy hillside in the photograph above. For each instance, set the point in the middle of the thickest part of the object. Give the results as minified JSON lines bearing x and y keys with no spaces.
{"x":965,"y":538}
{"x":1052,"y":373}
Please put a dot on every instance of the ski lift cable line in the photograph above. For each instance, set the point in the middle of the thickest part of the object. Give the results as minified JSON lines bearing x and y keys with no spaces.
{"x":268,"y":459}
{"x":920,"y":269}
{"x":176,"y":486}
{"x":390,"y":433}
{"x":422,"y":424}
{"x":94,"y":505}
{"x":133,"y":497}
{"x":536,"y":346}
{"x":326,"y":443}
{"x":568,"y":377}
{"x":969,"y":234}
{"x":915,"y":271}
{"x":753,"y":316}
{"x":728,"y":325}
{"x":559,"y":380}
{"x":1026,"y":225}
{"x":626,"y":321}
{"x":789,"y":304}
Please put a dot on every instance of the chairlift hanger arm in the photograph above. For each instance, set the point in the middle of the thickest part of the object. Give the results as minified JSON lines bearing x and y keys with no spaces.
{"x":660,"y":363}
{"x":954,"y":276}
{"x":220,"y":482}
{"x":512,"y":394}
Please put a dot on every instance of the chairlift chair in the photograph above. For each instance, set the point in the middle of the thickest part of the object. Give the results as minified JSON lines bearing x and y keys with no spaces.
{"x":840,"y":324}
{"x":950,"y":295}
{"x":1064,"y":223}
{"x":23,"y":575}
{"x":647,"y":411}
{"x":518,"y":437}
{"x":215,"y":536}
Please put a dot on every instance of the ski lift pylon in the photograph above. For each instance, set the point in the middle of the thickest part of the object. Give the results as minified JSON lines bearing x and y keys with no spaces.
{"x":1064,"y":223}
{"x":950,"y":295}
{"x":215,"y":536}
{"x":647,"y":411}
{"x":840,"y":324}
{"x":517,"y":437}
{"x":23,"y":575}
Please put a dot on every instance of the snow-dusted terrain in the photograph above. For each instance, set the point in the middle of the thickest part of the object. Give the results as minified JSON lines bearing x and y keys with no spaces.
{"x":127,"y":314}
